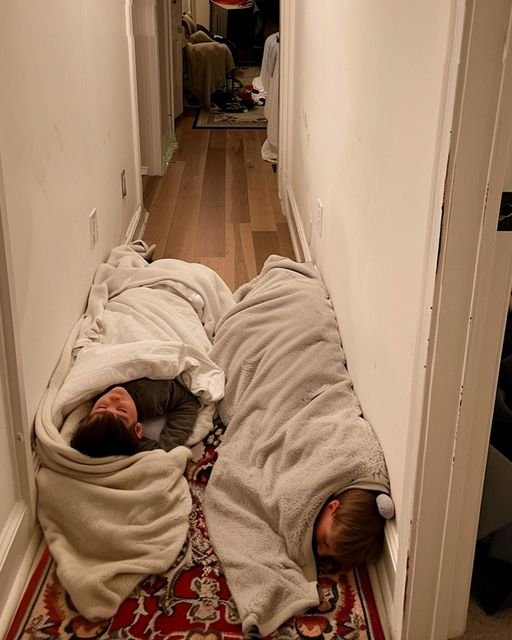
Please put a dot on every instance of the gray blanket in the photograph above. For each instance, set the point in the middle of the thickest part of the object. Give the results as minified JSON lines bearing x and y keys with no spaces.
{"x":295,"y":437}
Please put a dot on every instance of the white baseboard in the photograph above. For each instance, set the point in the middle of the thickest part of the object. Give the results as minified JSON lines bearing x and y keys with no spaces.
{"x":383,"y":575}
{"x":380,"y":600}
{"x":137,"y":225}
{"x":297,"y":231}
{"x":18,"y":587}
{"x":144,"y":171}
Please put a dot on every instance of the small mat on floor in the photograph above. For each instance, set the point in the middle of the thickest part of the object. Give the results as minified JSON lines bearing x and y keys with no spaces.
{"x":192,"y":600}
{"x":237,"y":109}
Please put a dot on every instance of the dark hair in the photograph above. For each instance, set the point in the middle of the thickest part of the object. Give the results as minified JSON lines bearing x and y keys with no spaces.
{"x":357,"y":529}
{"x":104,"y":434}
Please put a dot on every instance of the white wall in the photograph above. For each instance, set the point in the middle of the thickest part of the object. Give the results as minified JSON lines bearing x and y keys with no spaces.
{"x":368,"y":137}
{"x":65,"y":135}
{"x":66,"y":132}
{"x":200,"y":10}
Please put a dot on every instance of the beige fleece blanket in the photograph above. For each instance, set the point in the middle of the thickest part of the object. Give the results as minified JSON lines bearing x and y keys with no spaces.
{"x":208,"y":64}
{"x":295,"y":437}
{"x":110,"y":522}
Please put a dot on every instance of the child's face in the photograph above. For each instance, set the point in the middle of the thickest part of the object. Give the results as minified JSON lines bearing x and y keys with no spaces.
{"x":322,"y":532}
{"x":119,"y":402}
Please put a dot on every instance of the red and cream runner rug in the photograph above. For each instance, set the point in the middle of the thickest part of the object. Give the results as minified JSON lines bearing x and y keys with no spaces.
{"x":192,"y":601}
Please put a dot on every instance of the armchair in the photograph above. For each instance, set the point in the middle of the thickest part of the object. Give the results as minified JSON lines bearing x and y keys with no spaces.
{"x":209,"y":61}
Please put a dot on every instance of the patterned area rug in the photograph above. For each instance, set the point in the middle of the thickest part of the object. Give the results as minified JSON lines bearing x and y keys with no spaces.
{"x":192,"y":601}
{"x":217,"y":118}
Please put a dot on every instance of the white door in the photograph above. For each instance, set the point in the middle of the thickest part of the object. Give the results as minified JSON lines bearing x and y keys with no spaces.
{"x":176,"y":35}
{"x":157,"y":78}
{"x":18,"y":531}
{"x":473,"y":292}
{"x":146,"y":80}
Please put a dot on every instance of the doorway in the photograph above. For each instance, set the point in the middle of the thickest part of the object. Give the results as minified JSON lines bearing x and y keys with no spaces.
{"x":158,"y":63}
{"x":19,"y":533}
{"x":470,"y":305}
{"x":159,"y":43}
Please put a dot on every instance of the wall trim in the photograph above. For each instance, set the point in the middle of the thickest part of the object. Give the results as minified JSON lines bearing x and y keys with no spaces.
{"x":147,"y":83}
{"x":466,"y":337}
{"x":380,"y":599}
{"x":383,"y":574}
{"x":134,"y":100}
{"x":137,"y":225}
{"x":17,"y":589}
{"x":297,"y":232}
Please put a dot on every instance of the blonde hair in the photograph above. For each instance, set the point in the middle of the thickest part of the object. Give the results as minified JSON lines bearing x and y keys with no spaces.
{"x":357,"y":532}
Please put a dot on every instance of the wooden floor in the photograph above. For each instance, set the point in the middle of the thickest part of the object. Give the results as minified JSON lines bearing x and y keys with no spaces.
{"x":217,"y":203}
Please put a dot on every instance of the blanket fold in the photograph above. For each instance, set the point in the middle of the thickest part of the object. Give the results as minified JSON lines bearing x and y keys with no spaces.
{"x":110,"y":522}
{"x":295,"y":437}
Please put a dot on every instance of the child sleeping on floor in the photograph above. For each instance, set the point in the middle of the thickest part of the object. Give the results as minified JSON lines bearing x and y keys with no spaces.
{"x":350,"y":527}
{"x":115,"y":424}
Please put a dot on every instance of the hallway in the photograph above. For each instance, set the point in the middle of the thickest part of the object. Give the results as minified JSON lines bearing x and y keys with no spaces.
{"x":217,"y":203}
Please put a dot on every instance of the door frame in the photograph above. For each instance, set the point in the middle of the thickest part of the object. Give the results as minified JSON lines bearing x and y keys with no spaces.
{"x":20,"y":534}
{"x":149,"y":87}
{"x":429,"y":596}
{"x":175,"y":66}
{"x":145,"y":80}
{"x":472,"y":294}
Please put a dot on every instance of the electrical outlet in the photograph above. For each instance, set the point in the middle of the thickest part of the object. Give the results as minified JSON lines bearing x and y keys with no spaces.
{"x":123,"y":183}
{"x":319,"y":216}
{"x":93,"y":227}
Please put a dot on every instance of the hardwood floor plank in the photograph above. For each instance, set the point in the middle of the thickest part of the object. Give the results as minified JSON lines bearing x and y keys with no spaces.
{"x":237,"y":198}
{"x":265,"y":244}
{"x":260,"y":207}
{"x":285,"y":241}
{"x":150,"y":187}
{"x":229,"y":259}
{"x":181,"y":241}
{"x":210,"y":238}
{"x":217,"y":203}
{"x":271,"y":180}
{"x":217,"y":139}
{"x":183,"y":132}
{"x":273,"y":194}
{"x":219,"y":266}
{"x":249,"y":257}
{"x":238,"y":261}
{"x":161,"y":209}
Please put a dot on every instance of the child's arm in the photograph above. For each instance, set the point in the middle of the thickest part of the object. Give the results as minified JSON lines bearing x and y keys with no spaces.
{"x":165,"y":397}
{"x":180,"y":418}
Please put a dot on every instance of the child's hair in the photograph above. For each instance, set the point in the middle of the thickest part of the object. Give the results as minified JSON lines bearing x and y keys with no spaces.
{"x":357,"y":533}
{"x":104,"y":434}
